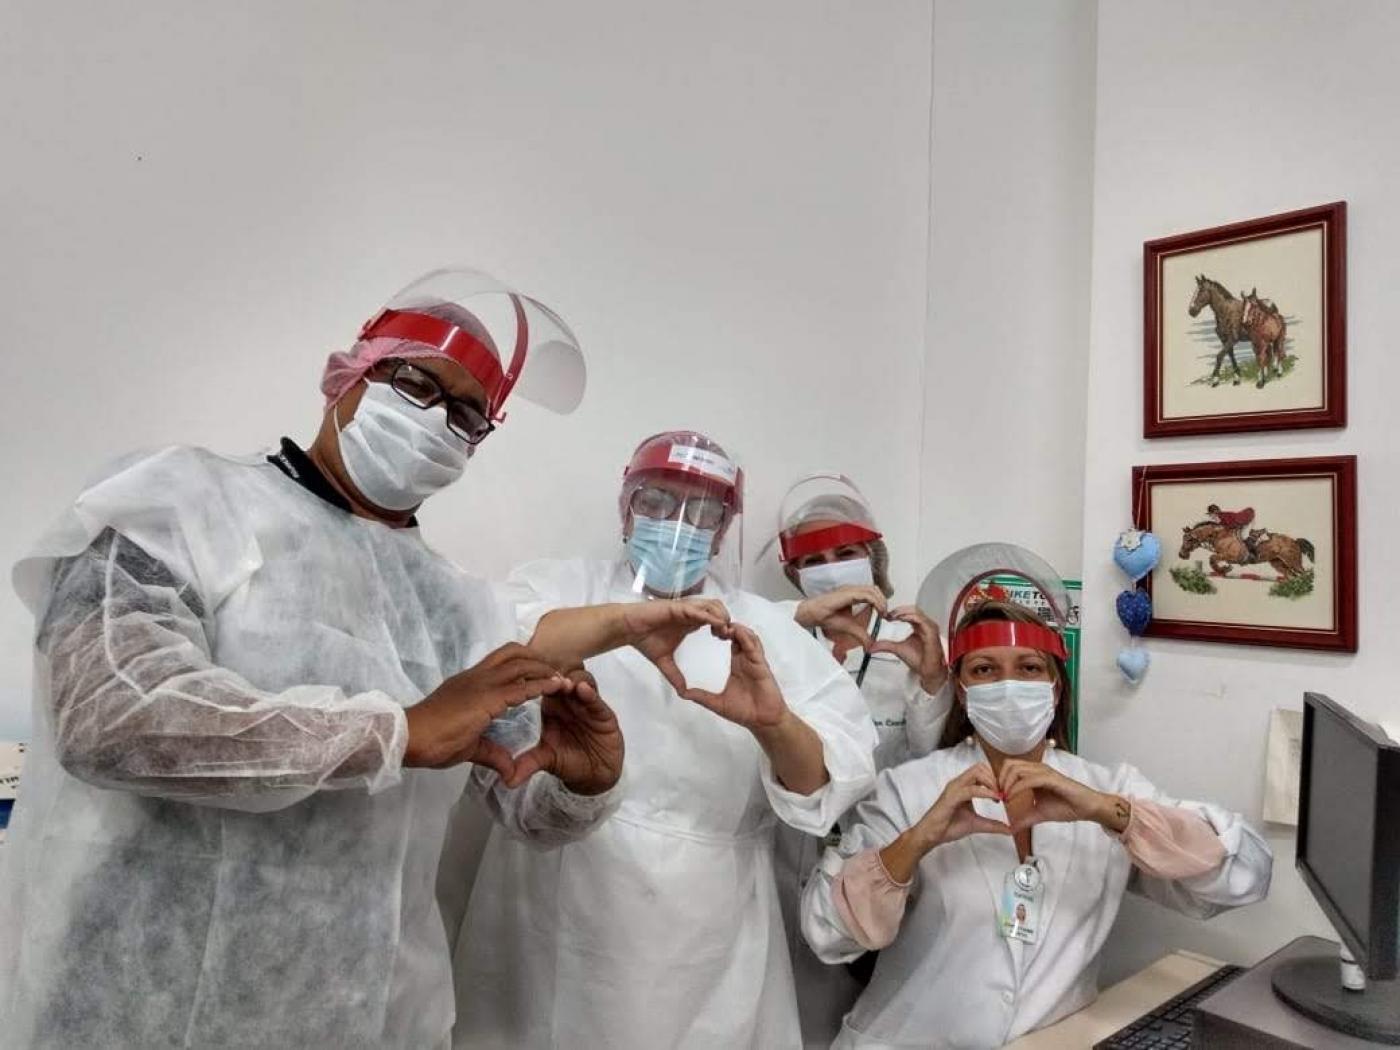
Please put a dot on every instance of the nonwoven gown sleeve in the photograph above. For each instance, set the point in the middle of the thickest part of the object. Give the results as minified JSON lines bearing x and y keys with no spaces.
{"x":821,"y":693}
{"x":830,"y":925}
{"x":542,"y":812}
{"x":1240,"y":876}
{"x":137,"y":703}
{"x":1171,"y":843}
{"x":869,"y":900}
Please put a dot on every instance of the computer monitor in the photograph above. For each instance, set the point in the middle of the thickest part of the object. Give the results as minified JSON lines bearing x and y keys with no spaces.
{"x":1349,"y":857}
{"x":1349,"y":831}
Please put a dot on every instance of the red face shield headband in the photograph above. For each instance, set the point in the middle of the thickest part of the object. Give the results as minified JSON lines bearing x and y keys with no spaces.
{"x":461,"y":346}
{"x":694,"y":462}
{"x":825,"y":539}
{"x":994,"y":633}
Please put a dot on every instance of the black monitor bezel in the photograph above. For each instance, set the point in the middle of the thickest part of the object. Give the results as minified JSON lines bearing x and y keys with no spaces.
{"x":1378,"y":964}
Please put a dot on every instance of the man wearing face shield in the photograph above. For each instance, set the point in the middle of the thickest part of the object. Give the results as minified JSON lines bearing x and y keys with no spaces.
{"x":251,"y":678}
{"x":663,"y":928}
{"x":989,"y":873}
{"x":832,"y":551}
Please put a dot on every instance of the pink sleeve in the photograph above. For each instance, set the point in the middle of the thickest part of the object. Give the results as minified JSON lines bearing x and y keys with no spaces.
{"x":869,"y":901}
{"x":1171,"y":843}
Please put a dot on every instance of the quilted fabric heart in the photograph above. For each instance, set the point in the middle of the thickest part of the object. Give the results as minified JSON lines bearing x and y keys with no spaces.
{"x":1134,"y":611}
{"x":1137,"y":553}
{"x":1133,"y":664}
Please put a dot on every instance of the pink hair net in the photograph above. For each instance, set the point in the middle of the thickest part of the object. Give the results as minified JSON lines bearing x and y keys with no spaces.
{"x":345,"y":368}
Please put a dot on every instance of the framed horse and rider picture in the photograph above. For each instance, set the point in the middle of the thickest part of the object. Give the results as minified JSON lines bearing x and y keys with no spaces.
{"x":1258,"y":552}
{"x":1245,"y":326}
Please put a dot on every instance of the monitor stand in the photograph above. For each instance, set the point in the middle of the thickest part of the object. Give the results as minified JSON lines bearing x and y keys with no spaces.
{"x":1312,"y":985}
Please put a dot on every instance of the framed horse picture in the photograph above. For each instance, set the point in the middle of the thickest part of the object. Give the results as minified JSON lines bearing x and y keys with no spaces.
{"x":1245,"y":326}
{"x":1258,"y":552}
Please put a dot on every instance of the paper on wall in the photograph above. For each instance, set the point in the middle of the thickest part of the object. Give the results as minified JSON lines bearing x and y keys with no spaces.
{"x":1283,"y":767}
{"x":11,"y":759}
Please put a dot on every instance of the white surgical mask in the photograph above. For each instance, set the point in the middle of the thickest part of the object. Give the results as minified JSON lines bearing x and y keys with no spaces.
{"x":1011,"y":715}
{"x":398,"y":454}
{"x":819,"y":579}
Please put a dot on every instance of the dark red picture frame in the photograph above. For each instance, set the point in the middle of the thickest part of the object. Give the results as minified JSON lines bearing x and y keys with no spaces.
{"x":1343,"y":636}
{"x":1333,"y":412}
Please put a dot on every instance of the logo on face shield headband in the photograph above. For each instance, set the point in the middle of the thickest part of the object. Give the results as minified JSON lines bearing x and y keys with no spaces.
{"x":669,"y":557}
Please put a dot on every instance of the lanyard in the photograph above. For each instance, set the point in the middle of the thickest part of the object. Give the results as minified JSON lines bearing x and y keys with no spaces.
{"x":865,"y":663}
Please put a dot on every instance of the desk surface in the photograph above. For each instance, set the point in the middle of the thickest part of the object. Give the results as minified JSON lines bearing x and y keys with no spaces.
{"x":1126,"y":1001}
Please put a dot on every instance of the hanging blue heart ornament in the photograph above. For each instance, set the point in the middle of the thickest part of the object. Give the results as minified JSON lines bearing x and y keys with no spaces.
{"x":1133,"y":664}
{"x":1137,"y":553}
{"x":1134,"y":611}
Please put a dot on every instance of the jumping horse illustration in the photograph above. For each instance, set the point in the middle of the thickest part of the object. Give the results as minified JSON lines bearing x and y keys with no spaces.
{"x":1284,"y":553}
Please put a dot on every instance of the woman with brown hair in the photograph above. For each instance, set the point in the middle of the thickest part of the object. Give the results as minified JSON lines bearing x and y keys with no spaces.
{"x":978,"y":871}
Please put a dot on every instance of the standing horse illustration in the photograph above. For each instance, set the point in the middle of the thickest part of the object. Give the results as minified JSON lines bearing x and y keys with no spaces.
{"x":1229,"y":320}
{"x":1227,"y":549}
{"x":1266,"y":330}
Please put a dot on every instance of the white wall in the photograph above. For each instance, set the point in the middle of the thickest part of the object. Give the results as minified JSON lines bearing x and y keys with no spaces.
{"x":1210,"y":112}
{"x":1008,"y":318}
{"x":727,"y":201}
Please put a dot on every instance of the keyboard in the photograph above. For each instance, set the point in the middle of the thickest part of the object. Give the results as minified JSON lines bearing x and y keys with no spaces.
{"x":1168,"y":1027}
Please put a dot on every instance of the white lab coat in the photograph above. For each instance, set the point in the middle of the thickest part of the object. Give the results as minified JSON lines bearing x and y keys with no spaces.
{"x":216,"y":845}
{"x":909,"y":723}
{"x":662,"y":929}
{"x":950,"y":979}
{"x":908,"y":720}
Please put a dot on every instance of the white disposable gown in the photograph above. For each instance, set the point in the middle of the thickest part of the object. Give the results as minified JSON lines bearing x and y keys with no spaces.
{"x":662,"y":929}
{"x":216,"y":845}
{"x":909,"y":722}
{"x":950,"y":979}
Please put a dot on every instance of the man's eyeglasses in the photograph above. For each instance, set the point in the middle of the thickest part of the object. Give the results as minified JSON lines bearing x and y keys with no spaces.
{"x":421,"y":388}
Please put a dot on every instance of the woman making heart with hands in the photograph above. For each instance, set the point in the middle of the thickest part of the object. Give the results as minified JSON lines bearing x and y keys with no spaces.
{"x":989,"y":873}
{"x":832,"y":551}
{"x":834,"y":555}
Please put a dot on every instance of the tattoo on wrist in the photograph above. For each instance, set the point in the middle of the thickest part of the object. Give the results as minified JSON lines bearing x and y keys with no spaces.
{"x":1122,"y":812}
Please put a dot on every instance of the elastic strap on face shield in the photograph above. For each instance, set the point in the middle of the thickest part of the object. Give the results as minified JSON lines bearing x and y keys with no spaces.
{"x":1008,"y":633}
{"x":824,"y":539}
{"x":517,"y":361}
{"x":461,"y":346}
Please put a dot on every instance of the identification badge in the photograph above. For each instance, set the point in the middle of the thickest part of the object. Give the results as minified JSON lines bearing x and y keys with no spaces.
{"x":1022,"y":893}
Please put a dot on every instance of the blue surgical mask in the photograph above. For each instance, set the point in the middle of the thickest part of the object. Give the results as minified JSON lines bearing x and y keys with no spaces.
{"x":669,"y":557}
